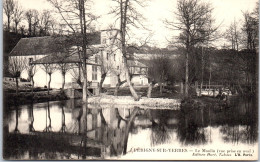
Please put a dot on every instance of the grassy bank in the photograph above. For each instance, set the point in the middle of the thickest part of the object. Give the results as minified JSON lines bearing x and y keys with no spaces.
{"x":28,"y":97}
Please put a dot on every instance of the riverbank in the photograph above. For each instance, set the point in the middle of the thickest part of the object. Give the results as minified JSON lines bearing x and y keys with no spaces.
{"x":168,"y":99}
{"x":207,"y":102}
{"x":22,"y":98}
{"x":129,"y":100}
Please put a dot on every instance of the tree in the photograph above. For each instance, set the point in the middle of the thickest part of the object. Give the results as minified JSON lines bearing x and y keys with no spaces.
{"x":35,"y":22}
{"x":64,"y":68}
{"x":49,"y":69}
{"x":127,"y":14}
{"x":16,"y":66}
{"x":250,"y":28}
{"x":78,"y":21}
{"x":233,"y":35}
{"x":105,"y":68}
{"x":195,"y":24}
{"x":32,"y":69}
{"x":18,"y":15}
{"x":158,"y":71}
{"x":45,"y":22}
{"x":8,"y":6}
{"x":118,"y":71}
{"x":32,"y":19}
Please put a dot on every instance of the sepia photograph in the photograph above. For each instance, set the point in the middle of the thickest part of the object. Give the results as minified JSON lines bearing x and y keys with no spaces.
{"x":130,"y":79}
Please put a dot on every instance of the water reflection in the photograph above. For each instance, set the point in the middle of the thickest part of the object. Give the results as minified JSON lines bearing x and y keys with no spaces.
{"x":71,"y":130}
{"x":191,"y":128}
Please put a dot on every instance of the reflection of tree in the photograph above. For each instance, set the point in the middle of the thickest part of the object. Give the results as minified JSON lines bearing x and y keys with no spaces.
{"x":103,"y":120}
{"x":16,"y":120}
{"x":119,"y":118}
{"x":127,"y":129}
{"x":160,"y":132}
{"x":49,"y":127}
{"x":63,"y":124}
{"x":84,"y":129}
{"x":31,"y":115}
{"x":116,"y":137}
{"x":189,"y":130}
{"x":242,"y":122}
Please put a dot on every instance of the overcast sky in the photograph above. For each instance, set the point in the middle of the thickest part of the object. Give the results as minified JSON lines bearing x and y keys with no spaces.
{"x":225,"y":11}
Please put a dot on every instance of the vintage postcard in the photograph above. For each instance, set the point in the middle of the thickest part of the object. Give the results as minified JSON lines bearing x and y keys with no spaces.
{"x":130,"y":79}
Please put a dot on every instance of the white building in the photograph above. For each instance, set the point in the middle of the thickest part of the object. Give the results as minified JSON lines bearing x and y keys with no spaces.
{"x":103,"y":51}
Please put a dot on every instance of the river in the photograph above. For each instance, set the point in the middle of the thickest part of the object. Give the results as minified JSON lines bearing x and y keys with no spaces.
{"x":71,"y":130}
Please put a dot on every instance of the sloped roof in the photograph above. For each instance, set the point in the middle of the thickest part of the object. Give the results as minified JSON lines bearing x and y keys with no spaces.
{"x":50,"y":44}
{"x":64,"y":57}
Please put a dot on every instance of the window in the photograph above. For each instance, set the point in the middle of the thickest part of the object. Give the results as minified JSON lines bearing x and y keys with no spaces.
{"x":94,"y":72}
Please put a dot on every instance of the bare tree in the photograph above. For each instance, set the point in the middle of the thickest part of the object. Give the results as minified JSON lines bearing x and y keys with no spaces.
{"x":118,"y":71}
{"x":16,"y":66}
{"x":32,"y":19}
{"x":105,"y":69}
{"x":128,"y":15}
{"x":250,"y":29}
{"x":18,"y":15}
{"x":78,"y":20}
{"x":76,"y":74}
{"x":159,"y":71}
{"x":233,"y":35}
{"x":31,"y":70}
{"x":8,"y":6}
{"x":35,"y":22}
{"x":196,"y":25}
{"x":49,"y":69}
{"x":45,"y":22}
{"x":64,"y":68}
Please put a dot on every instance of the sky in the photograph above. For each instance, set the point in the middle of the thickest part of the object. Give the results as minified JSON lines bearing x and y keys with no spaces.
{"x":225,"y":11}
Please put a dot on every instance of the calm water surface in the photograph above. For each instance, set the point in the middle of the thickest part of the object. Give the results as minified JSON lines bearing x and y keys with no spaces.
{"x":70,"y":130}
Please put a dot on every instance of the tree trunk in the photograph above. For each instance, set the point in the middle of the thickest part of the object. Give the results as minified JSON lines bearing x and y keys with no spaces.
{"x":161,"y":88}
{"x":186,"y":72}
{"x":128,"y":79}
{"x":49,"y":83}
{"x":119,"y":83}
{"x":149,"y":92}
{"x":30,"y":29}
{"x":116,"y":89}
{"x":32,"y":83}
{"x":16,"y":31}
{"x":63,"y":80}
{"x":103,"y":77}
{"x":84,"y":90}
{"x":84,"y":49}
{"x":17,"y":85}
